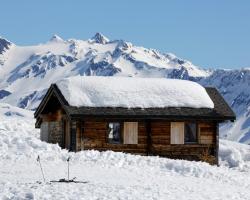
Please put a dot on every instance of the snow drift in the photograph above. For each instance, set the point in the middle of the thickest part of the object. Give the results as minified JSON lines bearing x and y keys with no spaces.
{"x":133,"y":92}
{"x":111,"y":175}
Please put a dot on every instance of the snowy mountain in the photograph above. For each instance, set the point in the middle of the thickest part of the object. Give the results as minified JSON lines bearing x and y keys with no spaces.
{"x":26,"y":72}
{"x":5,"y":45}
{"x":99,"y":38}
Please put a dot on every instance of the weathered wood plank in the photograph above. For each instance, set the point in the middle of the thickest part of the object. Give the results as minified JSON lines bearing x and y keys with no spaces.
{"x":95,"y":137}
{"x":130,"y":133}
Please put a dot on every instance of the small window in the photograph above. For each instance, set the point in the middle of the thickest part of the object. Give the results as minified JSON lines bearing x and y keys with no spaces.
{"x":114,"y":132}
{"x":190,"y":133}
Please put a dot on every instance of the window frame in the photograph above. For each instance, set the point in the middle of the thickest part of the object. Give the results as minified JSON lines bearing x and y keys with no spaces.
{"x":108,"y":140}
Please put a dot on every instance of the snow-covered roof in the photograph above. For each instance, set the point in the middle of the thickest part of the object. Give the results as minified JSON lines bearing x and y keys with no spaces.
{"x":127,"y":92}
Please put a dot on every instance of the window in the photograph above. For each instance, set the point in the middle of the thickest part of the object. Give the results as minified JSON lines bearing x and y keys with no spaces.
{"x":190,"y":133}
{"x":114,"y":132}
{"x":130,"y":133}
{"x":183,"y":133}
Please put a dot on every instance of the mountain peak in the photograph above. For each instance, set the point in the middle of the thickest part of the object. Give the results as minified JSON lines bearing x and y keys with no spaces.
{"x":56,"y":38}
{"x":100,"y":38}
{"x":4,"y":44}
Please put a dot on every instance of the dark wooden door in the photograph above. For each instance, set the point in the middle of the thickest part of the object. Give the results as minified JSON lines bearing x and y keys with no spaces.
{"x":73,"y":140}
{"x":63,"y":133}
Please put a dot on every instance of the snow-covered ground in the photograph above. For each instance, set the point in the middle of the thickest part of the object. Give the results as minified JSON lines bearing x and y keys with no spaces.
{"x":111,"y":175}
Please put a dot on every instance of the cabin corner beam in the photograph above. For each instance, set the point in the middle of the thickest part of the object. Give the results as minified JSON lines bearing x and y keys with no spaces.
{"x":149,"y":137}
{"x":217,"y":144}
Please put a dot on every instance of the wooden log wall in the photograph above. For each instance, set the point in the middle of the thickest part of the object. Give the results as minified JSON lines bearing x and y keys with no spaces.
{"x":204,"y":149}
{"x":92,"y":134}
{"x":160,"y":133}
{"x":55,"y":132}
{"x":53,"y":127}
{"x":207,"y":133}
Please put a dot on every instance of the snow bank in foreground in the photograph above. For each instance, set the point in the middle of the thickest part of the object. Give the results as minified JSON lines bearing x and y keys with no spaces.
{"x":112,"y":175}
{"x":133,"y":92}
{"x":233,"y":154}
{"x":19,"y":138}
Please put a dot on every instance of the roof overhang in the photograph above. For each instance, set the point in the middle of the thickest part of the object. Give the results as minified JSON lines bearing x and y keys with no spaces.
{"x":150,"y":113}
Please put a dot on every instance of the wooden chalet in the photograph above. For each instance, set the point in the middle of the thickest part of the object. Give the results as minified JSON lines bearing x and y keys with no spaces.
{"x":173,"y":132}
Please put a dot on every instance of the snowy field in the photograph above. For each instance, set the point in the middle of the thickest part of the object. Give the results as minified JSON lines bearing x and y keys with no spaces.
{"x":111,"y":175}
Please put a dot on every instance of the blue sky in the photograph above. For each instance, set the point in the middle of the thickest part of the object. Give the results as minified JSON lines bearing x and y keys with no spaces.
{"x":214,"y":33}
